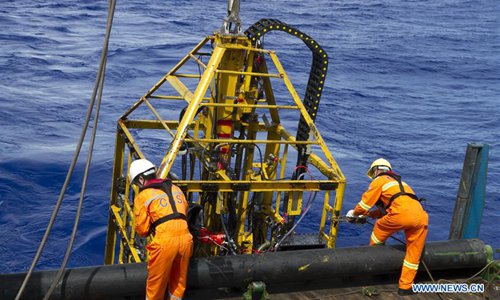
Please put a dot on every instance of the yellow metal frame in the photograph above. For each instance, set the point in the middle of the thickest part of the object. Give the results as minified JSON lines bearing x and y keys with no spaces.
{"x":227,"y":89}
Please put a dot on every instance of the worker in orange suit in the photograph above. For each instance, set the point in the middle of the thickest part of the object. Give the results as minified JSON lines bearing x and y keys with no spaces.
{"x":397,"y":208}
{"x":160,"y":210}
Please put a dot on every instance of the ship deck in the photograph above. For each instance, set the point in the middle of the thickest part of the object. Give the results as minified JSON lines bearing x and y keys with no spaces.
{"x":355,"y":288}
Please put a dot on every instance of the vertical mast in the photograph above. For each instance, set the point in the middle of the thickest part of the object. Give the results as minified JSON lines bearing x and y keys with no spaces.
{"x":232,"y":23}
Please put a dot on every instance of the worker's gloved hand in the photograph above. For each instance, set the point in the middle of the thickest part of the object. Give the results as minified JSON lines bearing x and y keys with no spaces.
{"x":361,"y":219}
{"x":352,"y":218}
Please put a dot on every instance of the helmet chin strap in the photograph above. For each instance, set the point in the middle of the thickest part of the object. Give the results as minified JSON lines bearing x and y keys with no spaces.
{"x":140,"y":181}
{"x":379,"y":170}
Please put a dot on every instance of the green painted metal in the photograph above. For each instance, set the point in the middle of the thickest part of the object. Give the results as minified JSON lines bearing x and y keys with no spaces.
{"x":256,"y":290}
{"x":478,"y":193}
{"x":470,"y":201}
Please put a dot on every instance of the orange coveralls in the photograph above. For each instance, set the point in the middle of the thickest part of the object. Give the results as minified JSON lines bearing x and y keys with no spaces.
{"x":404,"y":213}
{"x":171,"y":247}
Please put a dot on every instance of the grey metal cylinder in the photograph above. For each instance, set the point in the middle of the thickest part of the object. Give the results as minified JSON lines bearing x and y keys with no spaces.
{"x":107,"y":282}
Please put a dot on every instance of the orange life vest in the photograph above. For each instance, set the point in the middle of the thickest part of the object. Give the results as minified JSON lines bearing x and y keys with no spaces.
{"x":166,"y":187}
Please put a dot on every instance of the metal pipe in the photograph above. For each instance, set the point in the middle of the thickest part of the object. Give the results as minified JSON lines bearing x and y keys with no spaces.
{"x":235,"y":141}
{"x":107,"y":282}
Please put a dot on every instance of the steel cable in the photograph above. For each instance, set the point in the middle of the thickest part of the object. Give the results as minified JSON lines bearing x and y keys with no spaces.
{"x":89,"y":155}
{"x":306,"y":210}
{"x":97,"y":86}
{"x":80,"y":203}
{"x":102,"y":70}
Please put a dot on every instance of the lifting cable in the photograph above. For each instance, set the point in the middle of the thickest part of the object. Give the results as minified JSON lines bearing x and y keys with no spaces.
{"x":98,"y":86}
{"x":102,"y":70}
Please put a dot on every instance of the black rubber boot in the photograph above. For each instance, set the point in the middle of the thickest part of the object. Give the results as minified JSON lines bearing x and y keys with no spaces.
{"x":407,"y":292}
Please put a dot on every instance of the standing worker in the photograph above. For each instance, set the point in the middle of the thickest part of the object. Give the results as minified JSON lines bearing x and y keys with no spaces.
{"x":398,"y":208}
{"x":160,"y":210}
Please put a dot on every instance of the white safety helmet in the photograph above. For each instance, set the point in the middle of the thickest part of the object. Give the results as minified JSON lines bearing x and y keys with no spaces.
{"x":140,"y":166}
{"x":379,"y":164}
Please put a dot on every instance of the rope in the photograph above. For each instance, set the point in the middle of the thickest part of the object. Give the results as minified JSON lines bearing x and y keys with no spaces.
{"x":423,"y":262}
{"x":480,"y":271}
{"x":97,"y":86}
{"x":439,"y":280}
{"x":468,"y":280}
{"x":334,"y":296}
{"x":490,"y":282}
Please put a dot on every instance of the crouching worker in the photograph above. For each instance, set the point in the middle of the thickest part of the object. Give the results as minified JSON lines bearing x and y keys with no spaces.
{"x":160,"y":210}
{"x":398,"y":208}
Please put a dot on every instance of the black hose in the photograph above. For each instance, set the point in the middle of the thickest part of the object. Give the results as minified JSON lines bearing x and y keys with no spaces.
{"x":275,"y":268}
{"x":261,"y":161}
{"x":229,"y":238}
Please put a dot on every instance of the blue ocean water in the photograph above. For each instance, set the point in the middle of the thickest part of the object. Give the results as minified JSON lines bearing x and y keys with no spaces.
{"x":411,"y":81}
